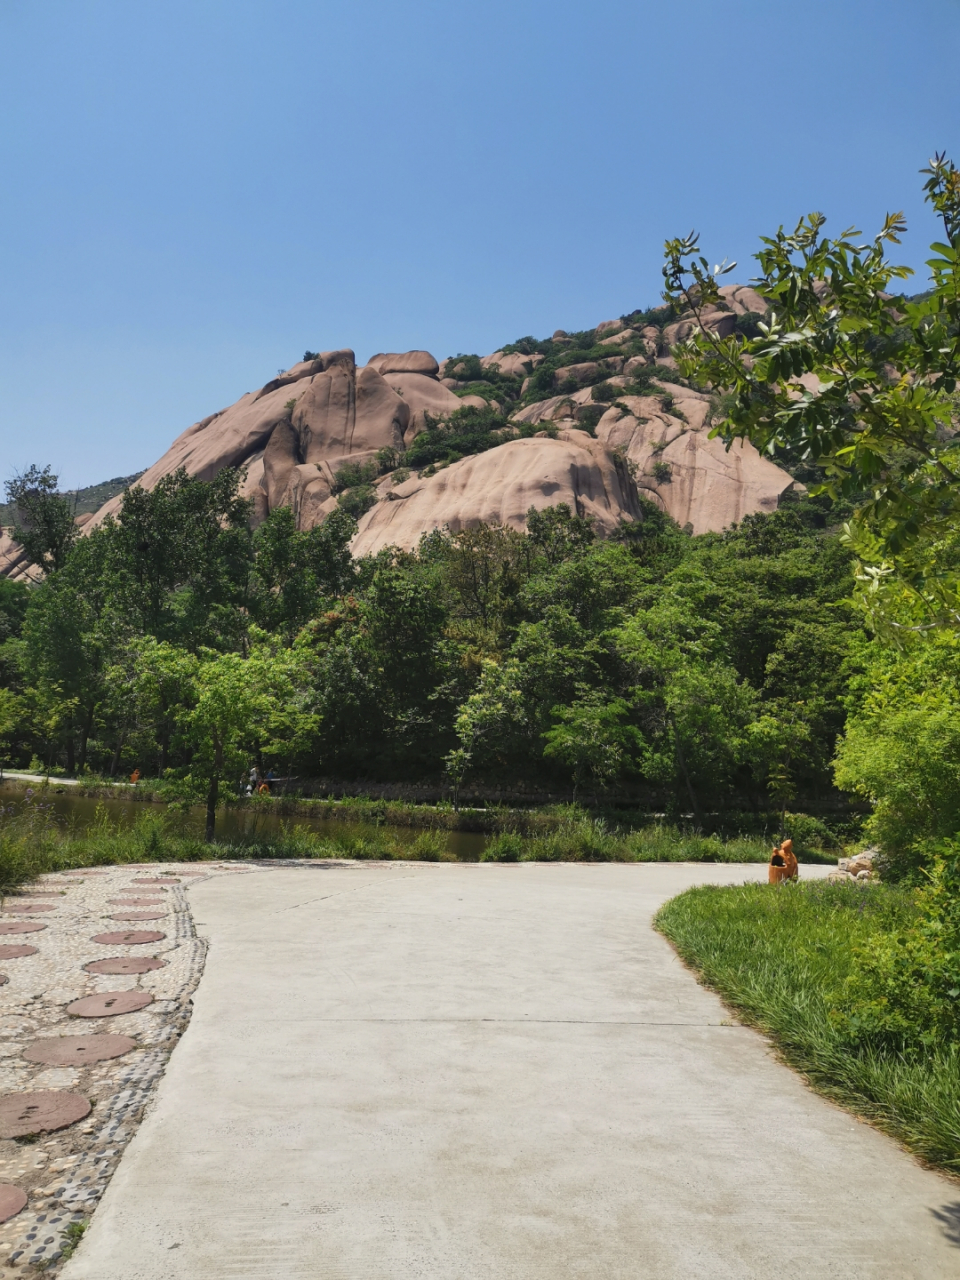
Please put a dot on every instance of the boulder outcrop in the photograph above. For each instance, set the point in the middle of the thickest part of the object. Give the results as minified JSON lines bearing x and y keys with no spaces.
{"x":293,"y":435}
{"x":697,"y":481}
{"x":500,"y":486}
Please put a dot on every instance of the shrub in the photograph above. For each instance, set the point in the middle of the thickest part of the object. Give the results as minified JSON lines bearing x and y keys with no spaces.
{"x":430,"y":846}
{"x":662,"y":472}
{"x":354,"y":474}
{"x":356,"y":502}
{"x":904,"y":990}
{"x":508,"y":846}
{"x":605,"y":391}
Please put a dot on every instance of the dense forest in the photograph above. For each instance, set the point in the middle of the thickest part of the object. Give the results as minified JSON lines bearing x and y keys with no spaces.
{"x":691,"y":672}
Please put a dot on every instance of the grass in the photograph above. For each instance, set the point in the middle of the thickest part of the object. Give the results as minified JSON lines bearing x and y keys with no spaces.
{"x":35,"y":841}
{"x":779,"y":957}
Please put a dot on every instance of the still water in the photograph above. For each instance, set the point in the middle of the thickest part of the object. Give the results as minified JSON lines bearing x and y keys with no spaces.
{"x":78,"y":812}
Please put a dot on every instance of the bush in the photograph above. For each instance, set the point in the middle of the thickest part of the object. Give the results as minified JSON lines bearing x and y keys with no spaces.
{"x":354,"y":474}
{"x":904,"y":991}
{"x":356,"y":502}
{"x":508,"y":846}
{"x":606,"y":392}
{"x":901,"y":751}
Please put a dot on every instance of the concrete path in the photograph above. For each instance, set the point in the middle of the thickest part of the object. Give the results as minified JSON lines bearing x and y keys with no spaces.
{"x":457,"y":1072}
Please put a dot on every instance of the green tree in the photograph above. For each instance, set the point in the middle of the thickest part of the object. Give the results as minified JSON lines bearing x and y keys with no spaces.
{"x":901,"y":749}
{"x":859,"y":381}
{"x":239,"y":707}
{"x":592,"y":740}
{"x":179,"y":557}
{"x":295,"y":572}
{"x":693,"y":709}
{"x":43,"y":524}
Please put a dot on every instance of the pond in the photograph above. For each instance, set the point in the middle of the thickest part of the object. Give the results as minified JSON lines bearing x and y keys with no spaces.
{"x":78,"y":812}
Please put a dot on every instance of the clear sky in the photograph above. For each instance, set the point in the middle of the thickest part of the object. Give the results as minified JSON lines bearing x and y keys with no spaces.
{"x":195,"y":191}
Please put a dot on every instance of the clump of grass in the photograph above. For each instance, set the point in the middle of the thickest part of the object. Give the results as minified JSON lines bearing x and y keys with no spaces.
{"x":664,"y":843}
{"x":780,"y":957}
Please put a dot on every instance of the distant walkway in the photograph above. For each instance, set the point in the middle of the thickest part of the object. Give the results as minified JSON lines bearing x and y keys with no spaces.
{"x":457,"y":1072}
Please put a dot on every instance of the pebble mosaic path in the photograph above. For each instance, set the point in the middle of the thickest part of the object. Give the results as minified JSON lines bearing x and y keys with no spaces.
{"x":66,"y":965}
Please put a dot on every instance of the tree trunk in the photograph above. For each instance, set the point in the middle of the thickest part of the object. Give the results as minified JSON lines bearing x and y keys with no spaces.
{"x":212,"y":796}
{"x":71,"y":757}
{"x":85,"y":737}
{"x":164,"y":748}
{"x":694,"y":805}
{"x":115,"y":762}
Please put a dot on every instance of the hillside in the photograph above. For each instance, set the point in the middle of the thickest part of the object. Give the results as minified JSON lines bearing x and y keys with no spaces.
{"x":595,"y":419}
{"x":86,"y":501}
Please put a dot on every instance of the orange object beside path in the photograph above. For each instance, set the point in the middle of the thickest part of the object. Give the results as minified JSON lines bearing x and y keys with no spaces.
{"x":783,"y":864}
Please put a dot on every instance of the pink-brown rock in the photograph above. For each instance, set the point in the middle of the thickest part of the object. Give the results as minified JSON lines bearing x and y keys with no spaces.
{"x":500,"y":486}
{"x":294,"y":434}
{"x":710,"y":487}
{"x":515,"y":365}
{"x":422,"y":396}
{"x":421,"y":362}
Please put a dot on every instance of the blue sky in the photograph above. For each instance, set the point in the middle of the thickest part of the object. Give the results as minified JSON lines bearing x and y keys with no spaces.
{"x":195,"y":191}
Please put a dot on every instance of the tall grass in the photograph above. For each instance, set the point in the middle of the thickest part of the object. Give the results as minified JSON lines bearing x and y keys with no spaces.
{"x":577,"y":838}
{"x":780,"y":958}
{"x":34,"y":841}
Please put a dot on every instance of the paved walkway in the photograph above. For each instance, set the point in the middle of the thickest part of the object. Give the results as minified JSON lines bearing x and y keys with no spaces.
{"x":491,"y":1073}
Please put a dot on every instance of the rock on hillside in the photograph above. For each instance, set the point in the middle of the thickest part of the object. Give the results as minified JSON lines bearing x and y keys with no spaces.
{"x":294,"y":434}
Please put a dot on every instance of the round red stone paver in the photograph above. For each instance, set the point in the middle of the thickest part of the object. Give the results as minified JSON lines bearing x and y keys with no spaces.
{"x":136,"y":902}
{"x":12,"y":1200}
{"x":23,"y":1113}
{"x":45,"y":893}
{"x":29,"y":908}
{"x":3,"y":979}
{"x":128,"y":937}
{"x":158,"y":880}
{"x":19,"y":926}
{"x":125,"y":964}
{"x":107,"y":1004}
{"x":14,"y":950}
{"x":136,"y":915}
{"x":74,"y":1051}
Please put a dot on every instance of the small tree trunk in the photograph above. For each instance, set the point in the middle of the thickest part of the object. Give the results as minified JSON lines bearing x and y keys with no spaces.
{"x":71,"y":757}
{"x":115,"y":762}
{"x":212,"y":796}
{"x":686,"y":777}
{"x":85,"y":737}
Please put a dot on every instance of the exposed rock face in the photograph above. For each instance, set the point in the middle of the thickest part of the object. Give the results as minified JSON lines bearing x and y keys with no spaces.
{"x":405,"y":362}
{"x":13,"y":559}
{"x":295,"y":433}
{"x":696,"y":480}
{"x":500,"y":486}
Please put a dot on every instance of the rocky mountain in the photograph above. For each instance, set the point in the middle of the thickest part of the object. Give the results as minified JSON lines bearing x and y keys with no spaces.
{"x":593,"y":419}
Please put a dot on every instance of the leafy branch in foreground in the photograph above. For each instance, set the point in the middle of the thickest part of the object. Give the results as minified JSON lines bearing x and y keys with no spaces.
{"x":858,"y":381}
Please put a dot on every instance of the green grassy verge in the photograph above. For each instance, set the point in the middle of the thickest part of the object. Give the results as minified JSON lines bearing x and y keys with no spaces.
{"x":779,"y":957}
